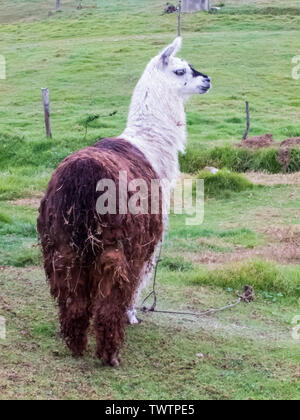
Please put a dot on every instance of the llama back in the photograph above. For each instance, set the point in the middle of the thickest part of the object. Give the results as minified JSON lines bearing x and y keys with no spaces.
{"x":71,"y":230}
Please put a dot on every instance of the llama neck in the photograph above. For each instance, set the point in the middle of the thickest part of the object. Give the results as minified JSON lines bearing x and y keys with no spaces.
{"x":157,"y":126}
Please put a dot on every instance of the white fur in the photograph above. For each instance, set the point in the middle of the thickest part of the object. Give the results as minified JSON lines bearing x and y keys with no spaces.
{"x":131,"y":315}
{"x":156,"y":122}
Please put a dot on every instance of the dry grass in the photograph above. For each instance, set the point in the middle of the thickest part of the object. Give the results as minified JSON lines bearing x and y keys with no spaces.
{"x":262,"y":178}
{"x":32,"y":202}
{"x":283,"y":247}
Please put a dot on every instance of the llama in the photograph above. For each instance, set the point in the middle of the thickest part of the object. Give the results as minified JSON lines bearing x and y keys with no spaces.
{"x":97,"y":263}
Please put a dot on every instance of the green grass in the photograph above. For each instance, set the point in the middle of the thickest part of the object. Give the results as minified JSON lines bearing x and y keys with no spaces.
{"x":248,"y":351}
{"x":91,"y":60}
{"x":223,"y":183}
{"x":76,"y":55}
{"x":261,"y":275}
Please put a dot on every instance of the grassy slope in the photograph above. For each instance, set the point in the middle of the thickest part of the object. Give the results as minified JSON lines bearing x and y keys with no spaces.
{"x":248,"y":352}
{"x":91,"y":60}
{"x":85,"y":58}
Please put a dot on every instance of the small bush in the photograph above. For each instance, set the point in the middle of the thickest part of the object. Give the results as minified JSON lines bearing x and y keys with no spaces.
{"x":220,"y":185}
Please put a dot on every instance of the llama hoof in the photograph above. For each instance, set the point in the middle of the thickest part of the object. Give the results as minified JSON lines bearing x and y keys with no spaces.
{"x":136,"y":321}
{"x":132,"y":318}
{"x":113,"y":362}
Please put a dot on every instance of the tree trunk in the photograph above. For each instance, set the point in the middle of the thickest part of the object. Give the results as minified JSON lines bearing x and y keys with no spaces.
{"x":191,"y":6}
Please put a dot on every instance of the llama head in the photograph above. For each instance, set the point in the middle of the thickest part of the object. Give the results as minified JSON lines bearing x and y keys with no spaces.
{"x":179,"y":74}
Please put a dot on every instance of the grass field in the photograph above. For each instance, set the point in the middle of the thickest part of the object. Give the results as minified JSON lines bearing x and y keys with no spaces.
{"x":91,"y":60}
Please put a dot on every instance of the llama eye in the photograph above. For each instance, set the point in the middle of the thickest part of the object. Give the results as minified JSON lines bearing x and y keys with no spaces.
{"x":180,"y":72}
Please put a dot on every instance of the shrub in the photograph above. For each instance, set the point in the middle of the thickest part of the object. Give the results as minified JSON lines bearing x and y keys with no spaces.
{"x":220,"y":185}
{"x":236,"y":159}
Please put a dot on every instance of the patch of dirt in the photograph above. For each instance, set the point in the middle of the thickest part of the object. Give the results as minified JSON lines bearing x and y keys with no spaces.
{"x":33,"y":202}
{"x":297,"y":373}
{"x":284,"y":157}
{"x":293,"y":141}
{"x":267,"y":140}
{"x":267,"y":216}
{"x":258,"y":142}
{"x":4,"y":305}
{"x":263,"y":216}
{"x":262,"y":178}
{"x":284,"y":154}
{"x":286,"y":234}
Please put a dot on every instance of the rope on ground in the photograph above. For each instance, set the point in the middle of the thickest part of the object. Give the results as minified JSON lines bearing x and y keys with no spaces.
{"x":152,"y":308}
{"x":247,"y":296}
{"x":196,"y":314}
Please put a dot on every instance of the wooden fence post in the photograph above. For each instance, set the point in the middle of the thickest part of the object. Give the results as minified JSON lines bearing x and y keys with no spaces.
{"x":46,"y":103}
{"x":179,"y":18}
{"x":247,"y":121}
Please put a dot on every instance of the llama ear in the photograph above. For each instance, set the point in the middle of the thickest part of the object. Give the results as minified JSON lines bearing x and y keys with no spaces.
{"x":171,"y":50}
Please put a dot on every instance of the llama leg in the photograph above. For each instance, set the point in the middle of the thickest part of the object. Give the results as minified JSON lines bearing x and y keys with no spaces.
{"x":110,"y":321}
{"x":74,"y":311}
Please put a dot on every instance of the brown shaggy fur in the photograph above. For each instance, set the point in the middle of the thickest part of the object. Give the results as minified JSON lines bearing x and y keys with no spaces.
{"x":94,"y":263}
